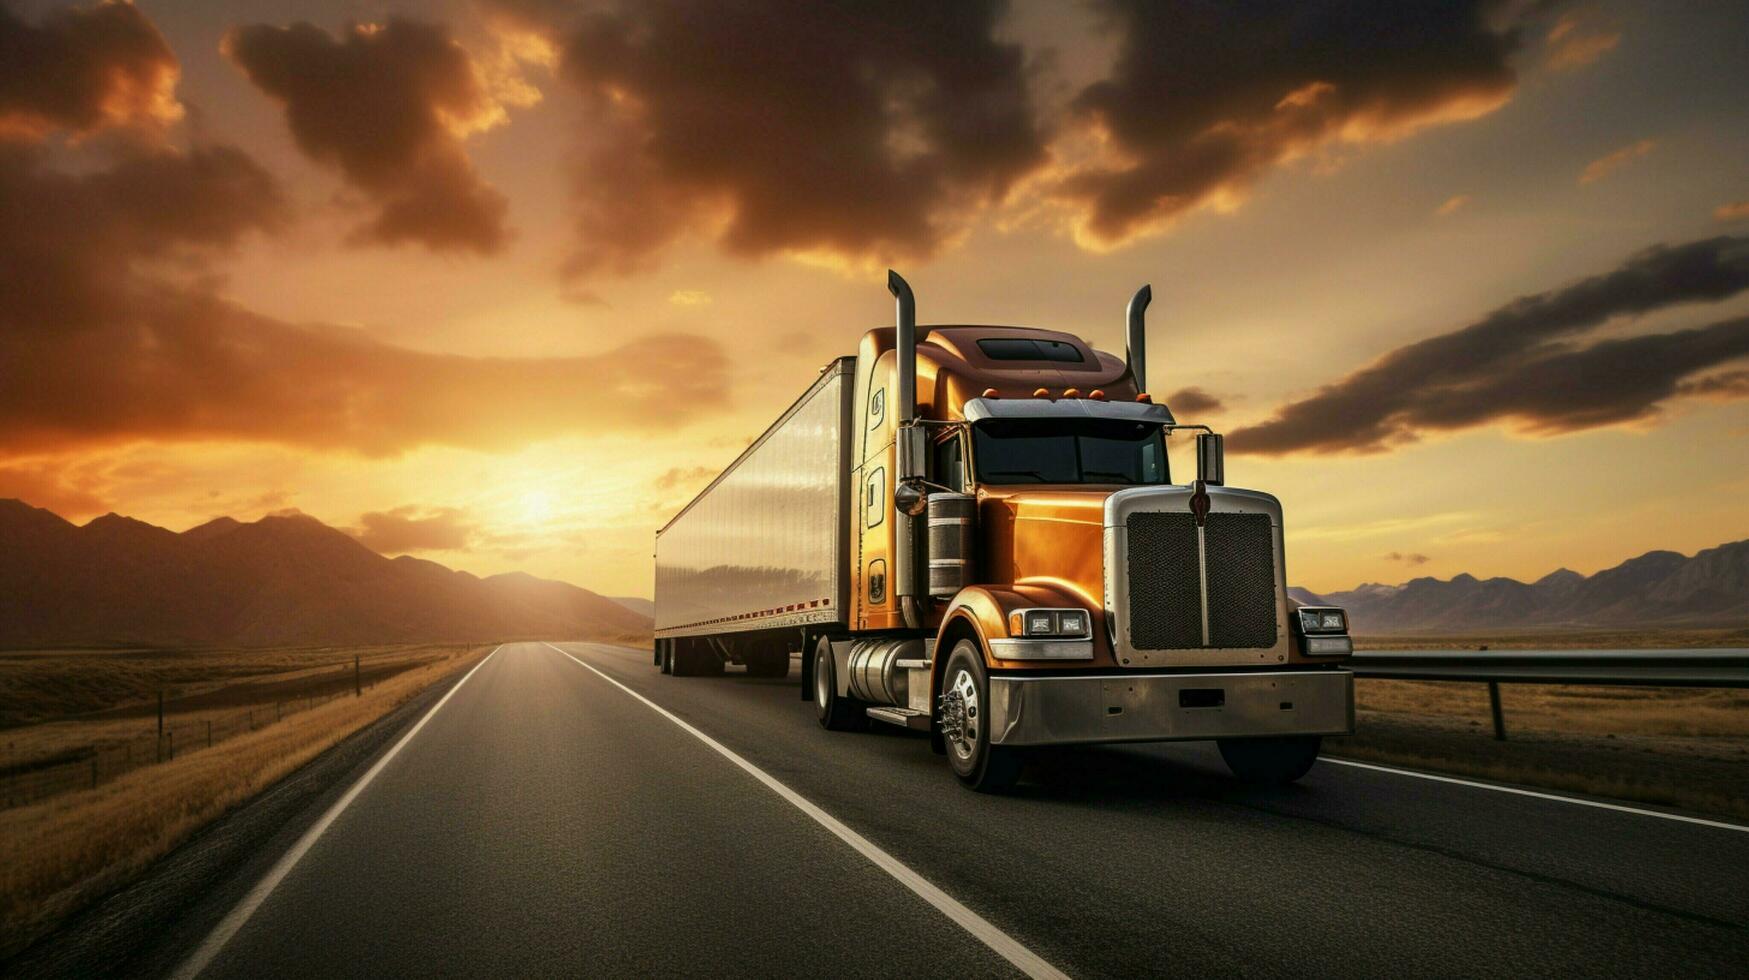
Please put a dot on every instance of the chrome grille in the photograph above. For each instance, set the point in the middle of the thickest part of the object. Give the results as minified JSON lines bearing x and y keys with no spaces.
{"x":1166,"y":594}
{"x":1240,"y":556}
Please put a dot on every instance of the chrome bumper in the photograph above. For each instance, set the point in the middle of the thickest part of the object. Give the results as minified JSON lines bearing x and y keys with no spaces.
{"x":1161,"y":707}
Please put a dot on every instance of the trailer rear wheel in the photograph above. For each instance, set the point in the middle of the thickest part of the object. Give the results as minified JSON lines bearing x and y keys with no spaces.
{"x":965,"y":693}
{"x":836,"y":713}
{"x":1270,"y":761}
{"x":692,"y":658}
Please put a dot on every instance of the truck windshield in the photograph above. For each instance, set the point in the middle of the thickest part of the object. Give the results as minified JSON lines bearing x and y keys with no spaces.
{"x":1077,"y":451}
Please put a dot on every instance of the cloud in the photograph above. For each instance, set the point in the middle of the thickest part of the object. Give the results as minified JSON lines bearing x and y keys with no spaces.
{"x":1570,"y":46}
{"x":83,"y":69}
{"x":1412,"y":558}
{"x":46,"y":485}
{"x":683,"y":478}
{"x":1205,"y":99}
{"x":690,"y":297}
{"x":110,"y":332}
{"x":407,"y":529}
{"x":1193,"y":401}
{"x":1609,"y":163}
{"x":1732,"y":211}
{"x":1519,"y":365}
{"x":1452,"y":205}
{"x":845,"y":131}
{"x":389,"y":106}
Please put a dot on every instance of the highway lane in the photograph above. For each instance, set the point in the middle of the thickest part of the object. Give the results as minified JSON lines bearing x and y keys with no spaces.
{"x":547,"y":822}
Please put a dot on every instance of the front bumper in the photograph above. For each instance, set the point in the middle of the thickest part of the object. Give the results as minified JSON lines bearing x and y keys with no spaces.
{"x":1163,"y":707}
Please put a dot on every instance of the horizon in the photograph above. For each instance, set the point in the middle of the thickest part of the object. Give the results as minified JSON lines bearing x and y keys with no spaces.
{"x":1470,"y":297}
{"x":352,"y":533}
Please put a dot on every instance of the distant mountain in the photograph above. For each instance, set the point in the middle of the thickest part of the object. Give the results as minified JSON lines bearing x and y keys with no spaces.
{"x":1657,"y":589}
{"x":286,"y":580}
{"x":637,"y":604}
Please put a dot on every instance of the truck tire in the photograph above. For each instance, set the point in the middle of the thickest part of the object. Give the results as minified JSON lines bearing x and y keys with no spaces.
{"x":837,"y":714}
{"x":1270,"y":761}
{"x":694,"y":659}
{"x":665,"y":655}
{"x":965,"y":686}
{"x":768,"y":663}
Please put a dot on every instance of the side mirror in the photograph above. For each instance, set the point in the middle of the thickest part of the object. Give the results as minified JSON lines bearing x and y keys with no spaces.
{"x":910,"y":498}
{"x":1210,"y":459}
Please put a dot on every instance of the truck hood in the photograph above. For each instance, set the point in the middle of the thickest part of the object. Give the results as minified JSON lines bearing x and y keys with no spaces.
{"x":1045,"y":536}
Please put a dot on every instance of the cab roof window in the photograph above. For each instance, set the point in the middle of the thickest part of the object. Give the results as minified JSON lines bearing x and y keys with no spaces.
{"x":1027,"y":349}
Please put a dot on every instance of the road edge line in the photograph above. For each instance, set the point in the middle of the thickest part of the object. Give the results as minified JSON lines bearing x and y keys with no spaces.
{"x":1516,"y":791}
{"x":234,"y":920}
{"x":981,"y":929}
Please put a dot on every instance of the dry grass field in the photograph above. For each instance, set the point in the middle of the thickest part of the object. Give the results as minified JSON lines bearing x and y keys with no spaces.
{"x":1681,"y":747}
{"x":61,"y":852}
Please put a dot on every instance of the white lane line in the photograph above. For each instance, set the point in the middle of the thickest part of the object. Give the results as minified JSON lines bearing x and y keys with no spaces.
{"x":1575,"y":800}
{"x":1006,"y":946}
{"x":221,"y":934}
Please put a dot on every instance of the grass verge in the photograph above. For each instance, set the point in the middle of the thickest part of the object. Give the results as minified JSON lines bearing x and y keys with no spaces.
{"x":60,"y":853}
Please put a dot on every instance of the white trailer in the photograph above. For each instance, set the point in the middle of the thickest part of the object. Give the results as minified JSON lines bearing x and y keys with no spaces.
{"x":765,"y":546}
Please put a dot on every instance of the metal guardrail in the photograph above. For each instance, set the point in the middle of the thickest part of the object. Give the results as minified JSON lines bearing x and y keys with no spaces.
{"x":1638,"y":668}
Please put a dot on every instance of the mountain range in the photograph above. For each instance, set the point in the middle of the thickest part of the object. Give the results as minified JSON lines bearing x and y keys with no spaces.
{"x":1659,"y":589}
{"x":280,"y":581}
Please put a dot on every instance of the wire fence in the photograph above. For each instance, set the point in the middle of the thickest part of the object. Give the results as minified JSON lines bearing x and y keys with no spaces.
{"x":169,"y":735}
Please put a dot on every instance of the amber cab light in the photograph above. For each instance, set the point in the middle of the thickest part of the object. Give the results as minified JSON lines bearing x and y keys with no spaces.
{"x":1071,"y":393}
{"x":1097,"y":394}
{"x":1145,"y":397}
{"x":1042,"y":393}
{"x":989,"y":393}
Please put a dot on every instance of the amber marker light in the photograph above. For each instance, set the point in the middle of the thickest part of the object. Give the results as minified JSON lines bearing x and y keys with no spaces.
{"x":989,"y":393}
{"x":1042,"y":393}
{"x":1097,"y":394}
{"x":1071,"y":393}
{"x":1145,"y":397}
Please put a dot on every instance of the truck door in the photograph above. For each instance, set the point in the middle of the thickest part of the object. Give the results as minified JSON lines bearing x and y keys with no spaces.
{"x":873,"y":606}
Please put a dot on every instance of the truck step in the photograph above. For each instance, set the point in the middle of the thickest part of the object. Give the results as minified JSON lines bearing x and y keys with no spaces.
{"x":903,"y":717}
{"x":911,"y":664}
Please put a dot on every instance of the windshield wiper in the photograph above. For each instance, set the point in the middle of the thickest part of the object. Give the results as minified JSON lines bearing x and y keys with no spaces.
{"x":1120,"y":477}
{"x":1035,"y":474}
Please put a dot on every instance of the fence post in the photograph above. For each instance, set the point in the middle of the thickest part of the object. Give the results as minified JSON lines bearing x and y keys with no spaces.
{"x":357,"y":678}
{"x":1499,"y":715}
{"x":170,"y":743}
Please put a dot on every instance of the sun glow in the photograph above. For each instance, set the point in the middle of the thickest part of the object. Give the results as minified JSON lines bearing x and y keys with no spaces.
{"x":537,"y":507}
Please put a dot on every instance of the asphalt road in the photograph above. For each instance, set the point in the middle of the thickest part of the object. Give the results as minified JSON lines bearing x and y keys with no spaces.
{"x":544,"y":820}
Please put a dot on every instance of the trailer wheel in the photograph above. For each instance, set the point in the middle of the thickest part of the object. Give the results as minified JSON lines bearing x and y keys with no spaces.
{"x":665,"y":656}
{"x":965,"y":694}
{"x":1270,"y":761}
{"x":838,"y":714}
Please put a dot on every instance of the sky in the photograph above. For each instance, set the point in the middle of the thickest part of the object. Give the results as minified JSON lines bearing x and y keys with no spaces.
{"x":503,"y":283}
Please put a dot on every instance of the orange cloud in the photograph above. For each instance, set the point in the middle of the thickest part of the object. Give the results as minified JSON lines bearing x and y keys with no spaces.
{"x":1609,"y":163}
{"x":388,"y":106}
{"x":1205,"y":99}
{"x":1571,"y":47}
{"x":1453,"y":205}
{"x":408,"y":529}
{"x":83,"y":69}
{"x":1733,"y":211}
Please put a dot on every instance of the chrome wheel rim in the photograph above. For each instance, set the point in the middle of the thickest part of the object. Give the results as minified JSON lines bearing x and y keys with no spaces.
{"x":963,"y":695}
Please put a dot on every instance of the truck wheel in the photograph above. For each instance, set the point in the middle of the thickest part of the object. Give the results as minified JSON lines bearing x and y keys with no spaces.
{"x":964,"y":717}
{"x":1270,"y":761}
{"x":665,"y":655}
{"x":692,"y":659}
{"x":838,"y":714}
{"x":768,"y":663}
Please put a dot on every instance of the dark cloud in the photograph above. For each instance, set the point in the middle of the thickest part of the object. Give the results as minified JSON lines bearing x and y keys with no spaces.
{"x":389,"y":106}
{"x":851,"y":129}
{"x":1205,"y":98}
{"x":84,"y":68}
{"x":1518,"y":365}
{"x":408,"y":529}
{"x":1186,"y":402}
{"x":1411,"y":558}
{"x":109,"y":331}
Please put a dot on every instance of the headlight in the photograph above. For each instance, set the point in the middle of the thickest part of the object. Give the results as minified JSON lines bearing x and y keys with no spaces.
{"x":1322,"y":619}
{"x":1054,"y":624}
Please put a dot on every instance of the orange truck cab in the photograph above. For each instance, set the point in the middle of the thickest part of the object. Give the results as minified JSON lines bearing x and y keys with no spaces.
{"x":974,"y":531}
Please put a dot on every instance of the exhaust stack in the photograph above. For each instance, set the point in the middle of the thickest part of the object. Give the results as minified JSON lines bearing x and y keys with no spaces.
{"x":1136,"y":337}
{"x":906,"y":346}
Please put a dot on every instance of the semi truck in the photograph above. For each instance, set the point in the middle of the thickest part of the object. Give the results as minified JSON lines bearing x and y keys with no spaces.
{"x":975,"y":532}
